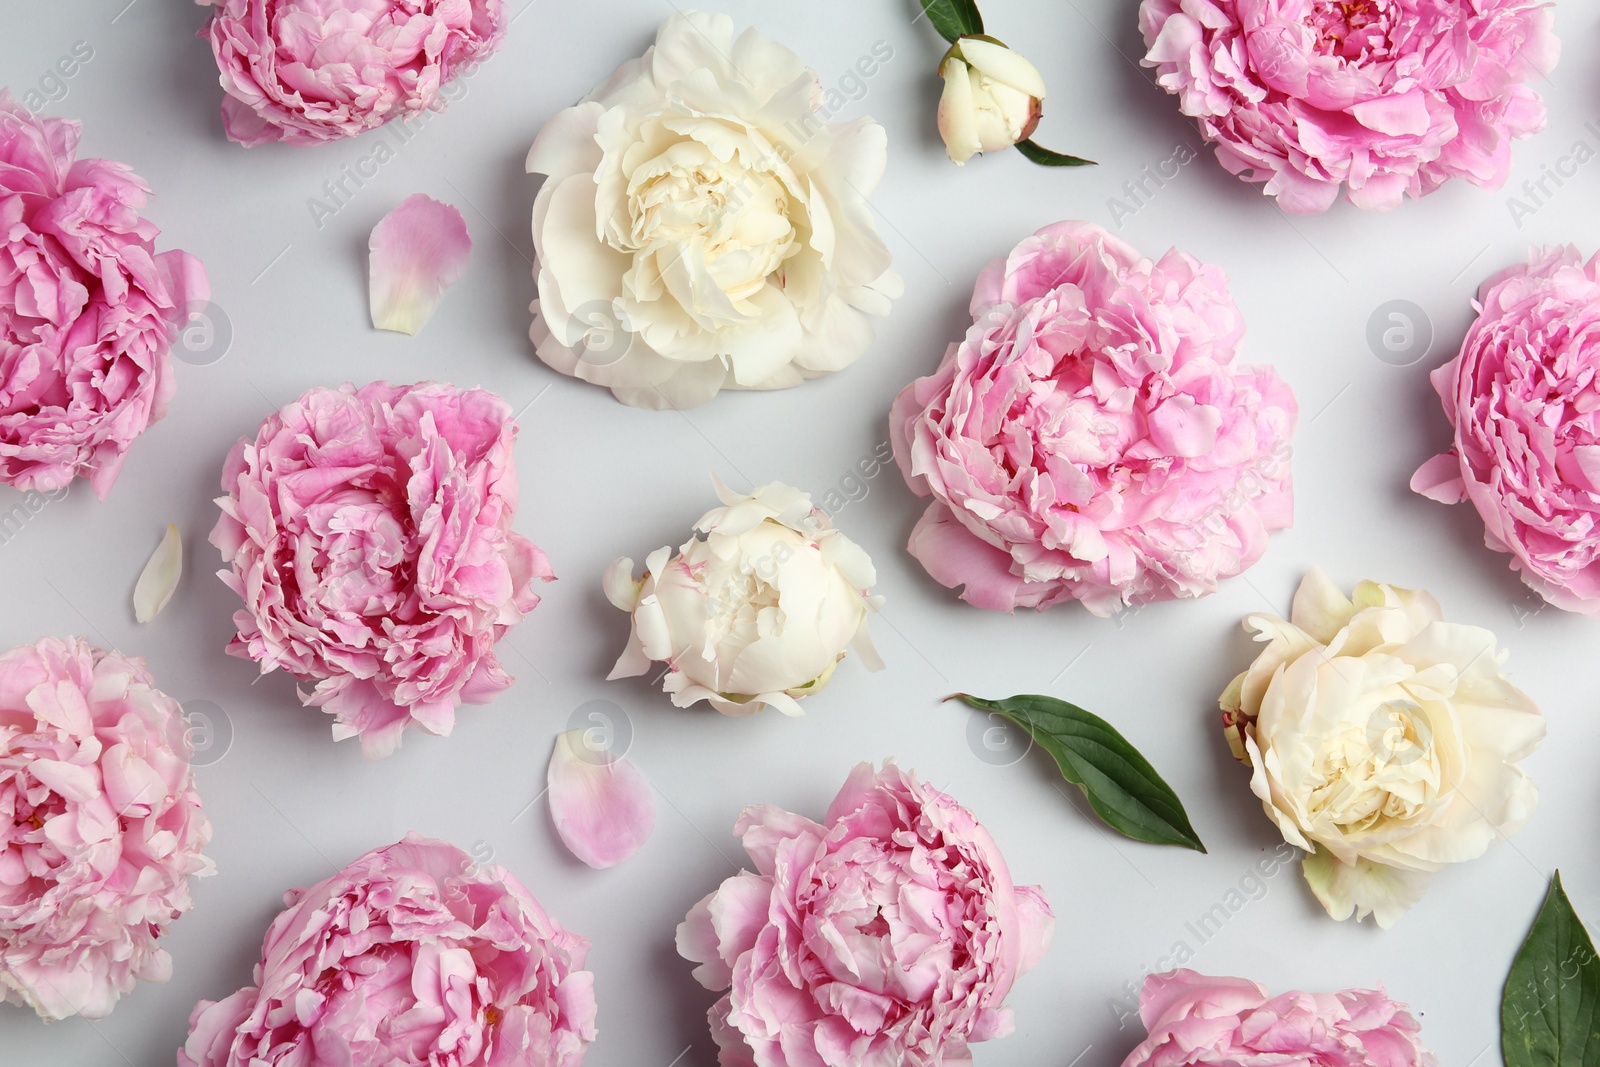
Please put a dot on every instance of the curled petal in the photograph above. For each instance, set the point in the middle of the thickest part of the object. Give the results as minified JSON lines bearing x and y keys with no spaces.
{"x":160,"y":577}
{"x":602,"y":806}
{"x":418,"y":250}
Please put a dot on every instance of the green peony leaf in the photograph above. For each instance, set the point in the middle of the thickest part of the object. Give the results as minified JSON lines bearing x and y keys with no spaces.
{"x":1046,"y":158}
{"x":1122,"y":787}
{"x":1550,"y":1013}
{"x":953,"y":19}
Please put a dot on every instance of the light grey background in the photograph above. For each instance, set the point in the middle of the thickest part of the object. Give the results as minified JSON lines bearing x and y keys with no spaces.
{"x":600,"y":480}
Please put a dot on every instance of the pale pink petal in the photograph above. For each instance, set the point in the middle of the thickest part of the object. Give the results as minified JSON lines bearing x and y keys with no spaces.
{"x":602,"y":806}
{"x":418,"y":250}
{"x":1440,"y":479}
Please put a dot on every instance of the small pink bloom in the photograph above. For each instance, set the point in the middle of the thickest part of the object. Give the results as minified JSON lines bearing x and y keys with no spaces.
{"x":369,"y":533}
{"x":1383,"y":98}
{"x":889,"y":934}
{"x":88,"y":308}
{"x":417,"y":251}
{"x":304,"y":71}
{"x":100,"y":827}
{"x":1522,"y":398}
{"x":1093,"y":438}
{"x":1198,"y":1021}
{"x":602,"y":806}
{"x":410,"y":955}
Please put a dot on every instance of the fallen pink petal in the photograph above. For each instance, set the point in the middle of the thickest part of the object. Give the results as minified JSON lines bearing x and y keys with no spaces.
{"x":418,"y":250}
{"x":602,"y":806}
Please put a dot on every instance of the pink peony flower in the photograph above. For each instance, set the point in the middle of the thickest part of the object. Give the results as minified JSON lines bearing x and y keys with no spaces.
{"x":306,"y":71}
{"x":100,"y":827}
{"x":1092,"y":437}
{"x":1198,"y":1021}
{"x":369,"y":532}
{"x":411,"y":955}
{"x":890,"y":934}
{"x":88,"y":308}
{"x":1523,"y":399}
{"x":1387,"y":98}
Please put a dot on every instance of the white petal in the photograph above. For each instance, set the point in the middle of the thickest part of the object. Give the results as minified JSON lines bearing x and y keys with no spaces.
{"x":1000,"y":63}
{"x":160,"y":577}
{"x":602,"y":806}
{"x":417,"y":251}
{"x":621,"y":587}
{"x":958,"y":122}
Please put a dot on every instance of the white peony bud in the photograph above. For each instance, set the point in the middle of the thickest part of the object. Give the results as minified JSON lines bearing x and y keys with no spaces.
{"x":759,"y":610}
{"x":992,"y":98}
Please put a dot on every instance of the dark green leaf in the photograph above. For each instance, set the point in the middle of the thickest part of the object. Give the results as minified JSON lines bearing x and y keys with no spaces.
{"x":1550,"y":1014}
{"x":953,"y":18}
{"x":1046,"y":158}
{"x":1122,"y":787}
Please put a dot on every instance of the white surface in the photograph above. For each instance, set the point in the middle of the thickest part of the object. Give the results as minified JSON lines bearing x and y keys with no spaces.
{"x":600,"y":480}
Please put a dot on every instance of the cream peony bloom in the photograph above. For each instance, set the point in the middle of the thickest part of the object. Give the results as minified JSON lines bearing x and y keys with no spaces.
{"x":702,"y":228}
{"x":758,"y":611}
{"x":1383,"y":740}
{"x":992,"y":98}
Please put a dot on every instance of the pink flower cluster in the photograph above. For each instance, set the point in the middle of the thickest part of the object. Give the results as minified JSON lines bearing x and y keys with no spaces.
{"x":306,"y":71}
{"x":88,"y":308}
{"x":1093,"y":437}
{"x":369,"y":532}
{"x":410,"y":955}
{"x":100,"y":827}
{"x":1524,"y":400}
{"x":889,"y":934}
{"x":1385,"y":98}
{"x":1198,"y":1021}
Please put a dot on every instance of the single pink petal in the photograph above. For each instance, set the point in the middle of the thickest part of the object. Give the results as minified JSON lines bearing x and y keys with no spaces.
{"x":1440,"y":479}
{"x":418,"y":250}
{"x":602,"y":806}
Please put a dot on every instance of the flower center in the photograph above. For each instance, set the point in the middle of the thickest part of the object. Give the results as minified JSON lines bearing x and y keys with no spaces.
{"x":1352,"y":29}
{"x":731,"y":219}
{"x":1387,"y":771}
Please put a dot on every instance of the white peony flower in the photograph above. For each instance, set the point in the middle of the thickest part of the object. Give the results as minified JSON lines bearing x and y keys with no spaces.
{"x":760,"y":610}
{"x":1384,"y":741}
{"x":992,"y":98}
{"x":702,"y":228}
